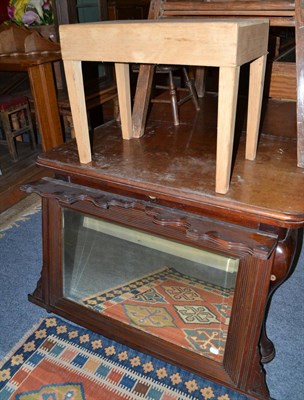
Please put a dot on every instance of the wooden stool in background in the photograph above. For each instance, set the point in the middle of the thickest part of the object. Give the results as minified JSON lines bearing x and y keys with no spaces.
{"x":175,"y":100}
{"x":16,"y":121}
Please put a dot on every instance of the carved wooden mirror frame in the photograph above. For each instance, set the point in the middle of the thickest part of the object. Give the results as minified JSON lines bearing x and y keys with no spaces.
{"x":241,"y":367}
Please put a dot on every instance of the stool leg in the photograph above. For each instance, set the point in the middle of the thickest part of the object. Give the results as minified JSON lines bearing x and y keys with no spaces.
{"x":31,"y":128}
{"x":124,"y":99}
{"x":200,"y":78}
{"x":173,"y":99}
{"x":192,"y":89}
{"x":142,"y":99}
{"x":255,"y":99}
{"x":69,"y":121}
{"x":74,"y":78}
{"x":6,"y":124}
{"x":227,"y":101}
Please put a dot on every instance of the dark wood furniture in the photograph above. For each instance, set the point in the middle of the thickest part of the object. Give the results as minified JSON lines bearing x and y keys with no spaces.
{"x":281,"y":13}
{"x":161,"y":184}
{"x":66,"y":11}
{"x":128,"y":9}
{"x":40,"y":71}
{"x":3,"y":11}
{"x":100,"y":86}
{"x":94,"y":99}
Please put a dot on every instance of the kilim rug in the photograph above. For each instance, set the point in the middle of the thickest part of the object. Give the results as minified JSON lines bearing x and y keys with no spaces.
{"x":62,"y":361}
{"x":173,"y":306}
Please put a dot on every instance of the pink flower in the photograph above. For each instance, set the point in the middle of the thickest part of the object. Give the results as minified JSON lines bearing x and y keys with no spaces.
{"x":11,"y":12}
{"x":29,"y":17}
{"x":46,"y":5}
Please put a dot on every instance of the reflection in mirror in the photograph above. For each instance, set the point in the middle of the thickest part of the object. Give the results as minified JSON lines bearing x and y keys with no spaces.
{"x":176,"y":292}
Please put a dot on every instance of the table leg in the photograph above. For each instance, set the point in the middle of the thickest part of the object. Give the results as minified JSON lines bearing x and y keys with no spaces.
{"x":74,"y":79}
{"x":124,"y":99}
{"x":142,"y":99}
{"x":289,"y":246}
{"x":255,"y":99}
{"x":46,"y":106}
{"x":200,"y":79}
{"x":227,"y":101}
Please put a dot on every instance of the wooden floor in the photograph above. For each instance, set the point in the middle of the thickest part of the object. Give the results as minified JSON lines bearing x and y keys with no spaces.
{"x":14,"y":174}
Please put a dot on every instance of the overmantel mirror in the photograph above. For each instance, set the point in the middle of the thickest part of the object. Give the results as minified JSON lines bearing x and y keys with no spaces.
{"x":185,"y":288}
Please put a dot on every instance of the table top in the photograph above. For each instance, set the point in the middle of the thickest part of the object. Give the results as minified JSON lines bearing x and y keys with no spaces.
{"x":20,"y":62}
{"x":210,"y":42}
{"x":176,"y":166}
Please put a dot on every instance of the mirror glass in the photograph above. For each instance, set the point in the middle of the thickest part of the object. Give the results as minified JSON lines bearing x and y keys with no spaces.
{"x":177,"y":292}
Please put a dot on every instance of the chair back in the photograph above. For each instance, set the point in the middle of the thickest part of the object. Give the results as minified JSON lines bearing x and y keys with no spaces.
{"x":279,"y":12}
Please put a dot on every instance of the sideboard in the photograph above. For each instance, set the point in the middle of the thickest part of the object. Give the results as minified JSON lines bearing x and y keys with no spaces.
{"x":139,"y":247}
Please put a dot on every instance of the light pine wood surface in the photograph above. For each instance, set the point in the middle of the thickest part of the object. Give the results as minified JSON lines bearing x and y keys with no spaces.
{"x":256,"y":87}
{"x":221,"y":43}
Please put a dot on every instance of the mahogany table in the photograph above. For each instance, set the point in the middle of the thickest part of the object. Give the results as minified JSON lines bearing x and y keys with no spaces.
{"x":163,"y":185}
{"x":40,"y":71}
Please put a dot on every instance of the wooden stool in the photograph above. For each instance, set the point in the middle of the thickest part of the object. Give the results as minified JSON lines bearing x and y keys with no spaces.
{"x":16,"y":121}
{"x":227,"y":44}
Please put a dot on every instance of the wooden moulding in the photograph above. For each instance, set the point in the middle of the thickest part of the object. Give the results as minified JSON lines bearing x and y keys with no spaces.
{"x":280,"y":13}
{"x":277,"y":7}
{"x":20,"y":40}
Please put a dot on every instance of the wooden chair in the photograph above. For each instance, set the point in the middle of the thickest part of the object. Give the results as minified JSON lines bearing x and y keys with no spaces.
{"x":281,"y":13}
{"x":225,"y":44}
{"x":178,"y":94}
{"x":16,"y":121}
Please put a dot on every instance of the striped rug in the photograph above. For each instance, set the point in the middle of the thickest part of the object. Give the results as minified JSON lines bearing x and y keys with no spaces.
{"x":62,"y":361}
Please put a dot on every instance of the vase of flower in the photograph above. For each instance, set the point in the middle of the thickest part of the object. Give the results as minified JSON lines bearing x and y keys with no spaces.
{"x":35,"y":15}
{"x":31,"y":13}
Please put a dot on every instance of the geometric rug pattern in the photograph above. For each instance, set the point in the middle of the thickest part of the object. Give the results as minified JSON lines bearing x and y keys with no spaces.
{"x":62,"y":361}
{"x":173,"y":306}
